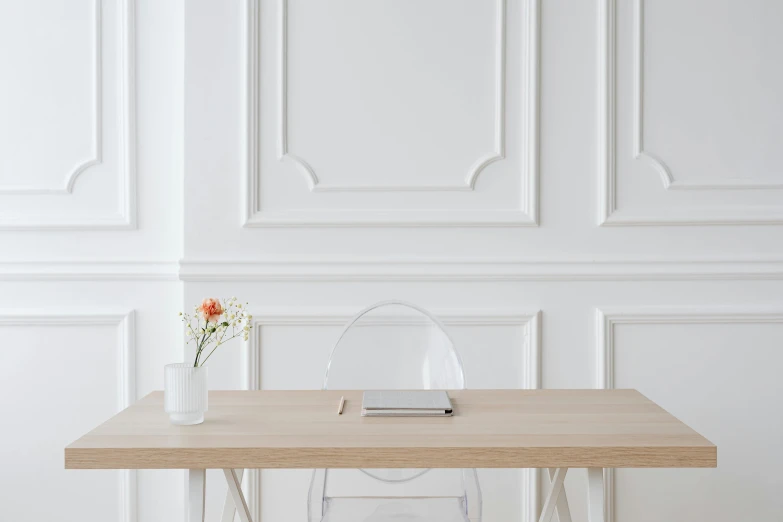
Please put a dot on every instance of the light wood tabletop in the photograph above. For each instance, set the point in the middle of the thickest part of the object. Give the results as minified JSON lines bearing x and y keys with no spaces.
{"x":489,"y":429}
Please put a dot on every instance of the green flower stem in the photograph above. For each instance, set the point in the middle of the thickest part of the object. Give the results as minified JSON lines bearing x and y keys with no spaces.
{"x":216,"y":347}
{"x":203,"y":344}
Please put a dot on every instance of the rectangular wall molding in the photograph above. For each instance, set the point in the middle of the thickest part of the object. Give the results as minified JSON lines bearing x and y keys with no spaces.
{"x":527,"y":215}
{"x":125,"y":216}
{"x":609,"y":213}
{"x":126,"y":369}
{"x":608,"y":318}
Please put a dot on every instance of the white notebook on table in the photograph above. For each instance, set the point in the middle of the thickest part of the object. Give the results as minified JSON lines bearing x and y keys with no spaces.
{"x":415,"y":403}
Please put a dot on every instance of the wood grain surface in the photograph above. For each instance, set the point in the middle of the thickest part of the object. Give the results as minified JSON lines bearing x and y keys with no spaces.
{"x":489,"y":429}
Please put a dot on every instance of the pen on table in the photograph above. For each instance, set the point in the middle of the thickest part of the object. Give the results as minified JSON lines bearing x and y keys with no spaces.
{"x":340,"y":408}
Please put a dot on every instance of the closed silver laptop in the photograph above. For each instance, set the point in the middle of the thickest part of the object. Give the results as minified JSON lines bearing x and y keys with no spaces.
{"x":404,"y":403}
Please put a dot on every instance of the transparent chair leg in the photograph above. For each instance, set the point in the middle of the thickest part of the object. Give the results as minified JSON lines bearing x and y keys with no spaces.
{"x":316,"y":496}
{"x":472,"y":495}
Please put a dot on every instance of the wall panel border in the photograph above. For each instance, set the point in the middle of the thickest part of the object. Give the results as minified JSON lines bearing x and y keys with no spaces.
{"x":125,"y":218}
{"x":608,"y":212}
{"x":126,"y":370}
{"x":609,"y":317}
{"x":254,"y":216}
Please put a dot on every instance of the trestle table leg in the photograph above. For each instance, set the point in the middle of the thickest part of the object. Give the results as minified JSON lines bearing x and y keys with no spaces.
{"x":595,"y":495}
{"x":196,"y":484}
{"x":228,"y":507}
{"x":235,"y":490}
{"x":562,"y":509}
{"x":554,"y":493}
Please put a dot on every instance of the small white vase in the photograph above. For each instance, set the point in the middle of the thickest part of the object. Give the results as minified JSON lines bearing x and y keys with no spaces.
{"x":185,"y":394}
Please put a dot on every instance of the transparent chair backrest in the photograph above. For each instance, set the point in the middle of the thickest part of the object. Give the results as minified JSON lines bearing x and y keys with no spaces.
{"x":394,"y":345}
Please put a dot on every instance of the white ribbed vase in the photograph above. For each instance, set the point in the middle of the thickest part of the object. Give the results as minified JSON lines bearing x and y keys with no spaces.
{"x":185,"y":395}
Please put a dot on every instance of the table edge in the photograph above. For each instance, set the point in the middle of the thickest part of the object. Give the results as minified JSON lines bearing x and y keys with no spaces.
{"x":417,"y":457}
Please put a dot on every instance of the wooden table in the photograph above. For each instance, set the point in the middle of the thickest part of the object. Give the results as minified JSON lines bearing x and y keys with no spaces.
{"x":556,"y":429}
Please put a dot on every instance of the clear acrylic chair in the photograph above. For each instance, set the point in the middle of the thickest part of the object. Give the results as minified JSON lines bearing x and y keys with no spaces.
{"x":394,"y":345}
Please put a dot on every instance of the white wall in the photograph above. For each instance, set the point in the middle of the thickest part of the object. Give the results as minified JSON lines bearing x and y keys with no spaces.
{"x":88,"y":269}
{"x":609,"y":165}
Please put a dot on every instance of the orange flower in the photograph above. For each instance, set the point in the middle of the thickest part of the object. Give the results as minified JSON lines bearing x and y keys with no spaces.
{"x":211,"y":310}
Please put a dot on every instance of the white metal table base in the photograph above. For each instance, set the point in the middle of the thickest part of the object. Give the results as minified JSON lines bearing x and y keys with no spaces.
{"x":556,"y":501}
{"x":235,"y":500}
{"x":195,"y":488}
{"x":229,"y":508}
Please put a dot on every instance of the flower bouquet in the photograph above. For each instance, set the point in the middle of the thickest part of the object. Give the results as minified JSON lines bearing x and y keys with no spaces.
{"x":212,"y":324}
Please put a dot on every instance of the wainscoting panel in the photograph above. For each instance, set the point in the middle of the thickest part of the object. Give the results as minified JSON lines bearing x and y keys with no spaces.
{"x":433,"y":119}
{"x":67,"y":130}
{"x":690,"y":117}
{"x":62,"y":374}
{"x":716,"y":369}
